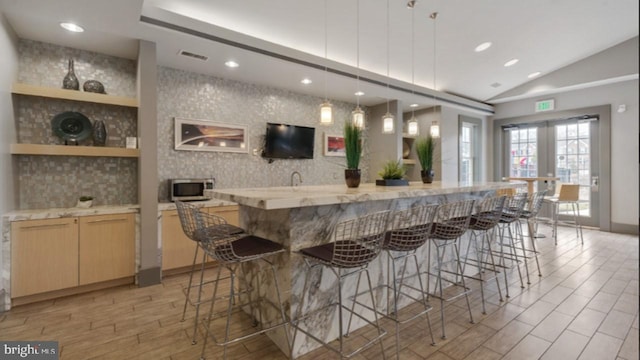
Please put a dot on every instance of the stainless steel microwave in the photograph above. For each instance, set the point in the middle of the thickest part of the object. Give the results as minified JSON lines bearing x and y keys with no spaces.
{"x":189,"y":189}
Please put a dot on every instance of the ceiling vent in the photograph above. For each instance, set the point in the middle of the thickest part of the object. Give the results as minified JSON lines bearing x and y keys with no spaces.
{"x":192,"y":55}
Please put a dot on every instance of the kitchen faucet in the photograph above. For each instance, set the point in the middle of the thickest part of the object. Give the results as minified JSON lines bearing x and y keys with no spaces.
{"x":293,"y":174}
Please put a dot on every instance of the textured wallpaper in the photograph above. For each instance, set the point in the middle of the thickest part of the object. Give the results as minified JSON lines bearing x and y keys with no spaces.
{"x":180,"y":94}
{"x":57,"y":181}
{"x":194,"y":96}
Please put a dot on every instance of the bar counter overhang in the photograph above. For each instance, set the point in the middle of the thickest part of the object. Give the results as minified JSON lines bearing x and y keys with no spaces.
{"x":304,"y":216}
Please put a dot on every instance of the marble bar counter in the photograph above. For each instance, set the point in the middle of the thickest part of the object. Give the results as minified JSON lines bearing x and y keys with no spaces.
{"x":304,"y":216}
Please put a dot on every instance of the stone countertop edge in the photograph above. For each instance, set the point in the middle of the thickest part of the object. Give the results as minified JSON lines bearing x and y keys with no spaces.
{"x":55,"y":213}
{"x":204,"y":203}
{"x":286,"y":197}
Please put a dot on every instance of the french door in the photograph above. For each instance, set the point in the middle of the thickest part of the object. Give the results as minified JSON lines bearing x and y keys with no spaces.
{"x":564,"y":148}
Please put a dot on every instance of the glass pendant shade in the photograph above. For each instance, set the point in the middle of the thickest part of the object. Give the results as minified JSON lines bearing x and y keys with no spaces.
{"x":388,"y":121}
{"x":412,"y":127}
{"x":326,"y":113}
{"x":357,"y":117}
{"x":435,"y":129}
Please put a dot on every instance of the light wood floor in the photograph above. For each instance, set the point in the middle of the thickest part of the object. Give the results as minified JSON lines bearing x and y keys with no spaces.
{"x":585,"y":306}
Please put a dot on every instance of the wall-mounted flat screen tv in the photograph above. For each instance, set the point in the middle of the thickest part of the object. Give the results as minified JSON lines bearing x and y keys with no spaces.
{"x":289,"y":142}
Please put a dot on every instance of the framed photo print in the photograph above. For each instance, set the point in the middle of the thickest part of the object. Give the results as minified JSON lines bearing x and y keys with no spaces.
{"x":334,"y":145}
{"x":204,"y":135}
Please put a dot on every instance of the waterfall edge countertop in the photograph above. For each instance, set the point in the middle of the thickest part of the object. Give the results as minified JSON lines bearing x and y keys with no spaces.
{"x":286,"y":197}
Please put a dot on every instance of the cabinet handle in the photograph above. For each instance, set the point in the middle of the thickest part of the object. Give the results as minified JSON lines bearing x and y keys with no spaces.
{"x":43,"y":226}
{"x":105,"y":220}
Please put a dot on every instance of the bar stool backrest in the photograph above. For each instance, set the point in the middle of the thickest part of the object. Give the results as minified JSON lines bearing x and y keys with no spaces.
{"x":513,"y":207}
{"x":452,"y":220}
{"x":487,"y":213}
{"x":534,"y":204}
{"x":188,"y":215}
{"x":410,"y":228}
{"x":358,"y":241}
{"x":569,"y":192}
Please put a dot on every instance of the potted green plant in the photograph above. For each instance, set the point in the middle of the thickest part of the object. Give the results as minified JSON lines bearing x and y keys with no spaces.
{"x":392,"y":174}
{"x":353,"y":150}
{"x":425,"y":148}
{"x":85,"y":201}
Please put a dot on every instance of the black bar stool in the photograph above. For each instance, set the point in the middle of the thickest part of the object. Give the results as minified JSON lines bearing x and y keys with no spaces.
{"x":451,"y":222}
{"x":482,"y":224}
{"x":356,"y":243}
{"x":529,"y":216}
{"x":409,"y":231}
{"x":188,"y":215}
{"x":234,"y":252}
{"x":513,"y":207}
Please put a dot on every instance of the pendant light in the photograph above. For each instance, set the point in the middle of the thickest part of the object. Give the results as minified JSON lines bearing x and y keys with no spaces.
{"x":412,"y":124}
{"x":326,"y":109}
{"x":388,"y":119}
{"x":357,"y":115}
{"x":435,"y":127}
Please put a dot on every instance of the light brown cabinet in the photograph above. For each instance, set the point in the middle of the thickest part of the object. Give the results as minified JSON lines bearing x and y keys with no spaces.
{"x":106,"y":247}
{"x":44,"y":255}
{"x":177,"y":248}
{"x":56,"y":254}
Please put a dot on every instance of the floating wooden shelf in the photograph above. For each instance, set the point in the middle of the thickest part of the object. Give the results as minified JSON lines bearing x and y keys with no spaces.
{"x":71,"y":150}
{"x":409,"y":161}
{"x":53,"y":93}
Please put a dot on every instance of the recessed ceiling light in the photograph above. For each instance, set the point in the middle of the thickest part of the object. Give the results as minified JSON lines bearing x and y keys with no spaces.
{"x":414,"y":105}
{"x":534,"y":74}
{"x":511,"y":62}
{"x":306,"y":81}
{"x":484,"y":46}
{"x":232,"y":64}
{"x":359,"y":93}
{"x":72,"y":27}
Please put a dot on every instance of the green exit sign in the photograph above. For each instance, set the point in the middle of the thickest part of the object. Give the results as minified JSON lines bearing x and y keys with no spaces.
{"x":545,"y":105}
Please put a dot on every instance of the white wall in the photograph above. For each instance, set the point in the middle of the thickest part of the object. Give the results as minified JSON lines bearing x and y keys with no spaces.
{"x":449,"y":151}
{"x":625,"y":181}
{"x":9,"y":73}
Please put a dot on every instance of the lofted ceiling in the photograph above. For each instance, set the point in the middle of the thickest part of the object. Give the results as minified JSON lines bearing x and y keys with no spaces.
{"x":279,"y":42}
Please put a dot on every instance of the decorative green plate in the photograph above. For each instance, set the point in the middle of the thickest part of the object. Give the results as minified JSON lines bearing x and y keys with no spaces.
{"x":71,"y":125}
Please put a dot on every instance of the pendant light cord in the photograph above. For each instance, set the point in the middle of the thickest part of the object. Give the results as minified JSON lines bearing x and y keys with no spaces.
{"x":388,"y":55}
{"x":413,"y":67}
{"x":358,"y":52}
{"x":326,"y":99}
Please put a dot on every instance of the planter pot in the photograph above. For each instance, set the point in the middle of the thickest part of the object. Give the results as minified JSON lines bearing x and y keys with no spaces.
{"x":427,"y":176}
{"x":84,"y":204}
{"x":352,"y":177}
{"x":392,"y":182}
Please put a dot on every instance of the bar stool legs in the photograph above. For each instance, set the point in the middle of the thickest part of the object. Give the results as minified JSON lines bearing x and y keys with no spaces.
{"x":451,"y":222}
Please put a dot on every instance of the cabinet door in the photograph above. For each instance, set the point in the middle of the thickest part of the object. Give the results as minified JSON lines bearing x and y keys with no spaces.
{"x":229,"y":213}
{"x":44,"y":255}
{"x":177,"y":248}
{"x":107,"y":247}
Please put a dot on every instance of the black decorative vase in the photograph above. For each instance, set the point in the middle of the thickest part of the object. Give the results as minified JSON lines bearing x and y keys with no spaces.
{"x":70,"y":80}
{"x":427,"y":176}
{"x":352,"y":177}
{"x":99,"y":133}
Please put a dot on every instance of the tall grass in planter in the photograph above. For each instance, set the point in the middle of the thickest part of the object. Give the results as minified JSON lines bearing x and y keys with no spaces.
{"x":353,"y":149}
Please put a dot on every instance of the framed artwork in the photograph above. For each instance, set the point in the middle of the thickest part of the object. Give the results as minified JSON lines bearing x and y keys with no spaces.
{"x":334,"y":145}
{"x":204,"y":135}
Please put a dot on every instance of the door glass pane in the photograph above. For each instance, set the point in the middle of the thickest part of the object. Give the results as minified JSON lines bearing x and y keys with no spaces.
{"x":524,"y":153}
{"x":573,"y":161}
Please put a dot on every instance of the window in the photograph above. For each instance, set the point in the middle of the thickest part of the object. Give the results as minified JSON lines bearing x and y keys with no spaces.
{"x":469,"y":150}
{"x":466,"y":153}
